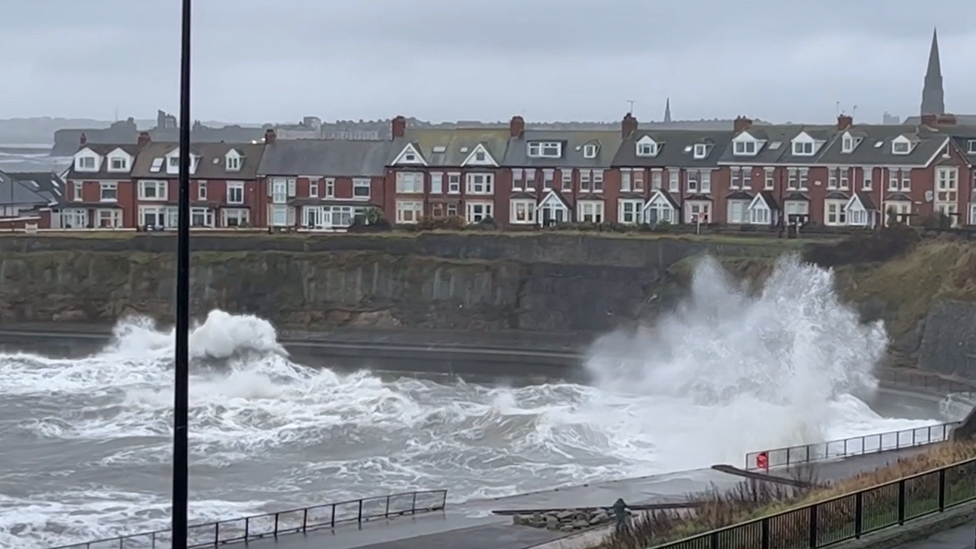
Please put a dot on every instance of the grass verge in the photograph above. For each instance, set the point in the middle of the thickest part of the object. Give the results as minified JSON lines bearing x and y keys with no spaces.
{"x":752,"y":500}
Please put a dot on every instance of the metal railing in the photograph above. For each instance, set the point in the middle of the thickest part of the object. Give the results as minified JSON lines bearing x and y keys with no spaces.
{"x":849,"y":447}
{"x":846,"y":517}
{"x":295,"y":521}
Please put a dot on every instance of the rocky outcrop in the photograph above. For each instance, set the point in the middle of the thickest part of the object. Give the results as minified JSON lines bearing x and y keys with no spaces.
{"x":546,"y":282}
{"x":566,"y":520}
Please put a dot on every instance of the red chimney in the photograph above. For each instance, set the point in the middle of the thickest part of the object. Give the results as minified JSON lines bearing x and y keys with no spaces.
{"x":628,"y":126}
{"x":144,"y":140}
{"x":741,"y":124}
{"x":270,"y":136}
{"x":844,"y":121}
{"x":517,"y":126}
{"x":399,"y":127}
{"x":929,"y":120}
{"x":946,"y":120}
{"x":84,"y":139}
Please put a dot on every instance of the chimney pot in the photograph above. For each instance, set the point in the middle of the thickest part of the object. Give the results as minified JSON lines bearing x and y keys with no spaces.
{"x":84,"y":139}
{"x":844,"y":121}
{"x":741,"y":124}
{"x":929,"y":120}
{"x":628,"y":126}
{"x":144,"y":139}
{"x":270,"y":136}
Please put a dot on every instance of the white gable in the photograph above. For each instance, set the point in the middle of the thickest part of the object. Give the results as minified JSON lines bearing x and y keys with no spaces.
{"x":803,"y":137}
{"x":173,"y":162}
{"x":804,"y":145}
{"x":744,"y":137}
{"x":119,"y":161}
{"x":647,"y":146}
{"x":758,"y":203}
{"x":87,"y":160}
{"x":849,"y":142}
{"x":232,"y":160}
{"x":855,"y":204}
{"x":901,"y":145}
{"x":479,"y":157}
{"x":552,"y":200}
{"x":658,"y":199}
{"x":409,"y":156}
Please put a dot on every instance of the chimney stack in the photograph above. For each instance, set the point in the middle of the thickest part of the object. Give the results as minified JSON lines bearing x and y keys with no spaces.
{"x":144,"y":140}
{"x":741,"y":124}
{"x":946,"y":120}
{"x":399,"y":127}
{"x":84,"y":139}
{"x":844,"y":121}
{"x":270,"y":136}
{"x":517,"y":126}
{"x":628,"y":126}
{"x":929,"y":120}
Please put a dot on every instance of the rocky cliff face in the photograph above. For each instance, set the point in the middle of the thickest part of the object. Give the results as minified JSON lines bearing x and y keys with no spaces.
{"x":469,"y":281}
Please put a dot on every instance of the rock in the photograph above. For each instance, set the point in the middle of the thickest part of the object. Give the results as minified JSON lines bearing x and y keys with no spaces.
{"x":552,"y":523}
{"x":581,"y":523}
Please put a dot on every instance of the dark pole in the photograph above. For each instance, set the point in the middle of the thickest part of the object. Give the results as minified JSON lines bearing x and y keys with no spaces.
{"x":181,"y":387}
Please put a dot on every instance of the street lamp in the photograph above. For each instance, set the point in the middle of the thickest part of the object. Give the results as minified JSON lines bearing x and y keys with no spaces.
{"x":181,"y":368}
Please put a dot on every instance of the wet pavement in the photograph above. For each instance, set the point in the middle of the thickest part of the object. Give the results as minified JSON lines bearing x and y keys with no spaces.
{"x":962,"y":537}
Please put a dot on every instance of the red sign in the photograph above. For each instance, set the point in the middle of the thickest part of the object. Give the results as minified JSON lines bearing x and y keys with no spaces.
{"x":762,"y":461}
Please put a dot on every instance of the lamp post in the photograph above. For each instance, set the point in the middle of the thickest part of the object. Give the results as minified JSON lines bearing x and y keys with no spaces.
{"x":181,"y":368}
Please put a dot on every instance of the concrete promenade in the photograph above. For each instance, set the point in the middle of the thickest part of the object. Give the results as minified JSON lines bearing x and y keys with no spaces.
{"x":962,"y":537}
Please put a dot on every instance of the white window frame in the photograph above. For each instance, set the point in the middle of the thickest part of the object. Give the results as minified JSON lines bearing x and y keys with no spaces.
{"x":206,"y":213}
{"x":201,"y":190}
{"x":839,"y":213}
{"x":160,"y":190}
{"x":330,"y":187}
{"x":901,"y":147}
{"x":410,"y":182}
{"x":454,"y":183}
{"x":760,"y":215}
{"x":867,"y":178}
{"x":589,"y":151}
{"x":744,"y":148}
{"x":802,"y":148}
{"x":476,"y":211}
{"x":112,"y":187}
{"x":123,"y":164}
{"x":415,"y":209}
{"x":544,"y":149}
{"x":86,"y":163}
{"x":701,"y":151}
{"x":113,"y":216}
{"x":480,"y":183}
{"x":234,"y":163}
{"x":630,"y":217}
{"x":233,"y":188}
{"x":625,"y":180}
{"x":647,"y":149}
{"x":743,"y":214}
{"x":241,"y":216}
{"x":769,"y":179}
{"x":313,"y":188}
{"x":524,"y":206}
{"x":847,"y":144}
{"x":592,"y":209}
{"x":436,"y":183}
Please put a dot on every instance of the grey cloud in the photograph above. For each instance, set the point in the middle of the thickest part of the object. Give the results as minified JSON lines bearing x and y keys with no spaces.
{"x":257,"y":60}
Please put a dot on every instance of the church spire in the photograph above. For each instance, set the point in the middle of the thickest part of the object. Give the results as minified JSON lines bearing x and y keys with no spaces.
{"x":933,"y":98}
{"x":667,"y":111}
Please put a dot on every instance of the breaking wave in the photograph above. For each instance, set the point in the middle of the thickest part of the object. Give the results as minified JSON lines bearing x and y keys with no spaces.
{"x":86,"y":446}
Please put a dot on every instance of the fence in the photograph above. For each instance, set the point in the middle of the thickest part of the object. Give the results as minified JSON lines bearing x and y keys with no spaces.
{"x":295,"y":521}
{"x":848,"y":447}
{"x":917,"y":379}
{"x":847,"y":517}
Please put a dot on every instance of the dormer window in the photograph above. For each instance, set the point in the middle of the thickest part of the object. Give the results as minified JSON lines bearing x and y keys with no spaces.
{"x":701,"y":151}
{"x":119,"y":164}
{"x":802,"y":148}
{"x":545,"y":149}
{"x":900,"y":147}
{"x":86,"y":163}
{"x":847,"y":144}
{"x":589,"y":151}
{"x":646,"y":149}
{"x":174,"y":162}
{"x":745,"y":147}
{"x":972,"y":146}
{"x":233,"y":163}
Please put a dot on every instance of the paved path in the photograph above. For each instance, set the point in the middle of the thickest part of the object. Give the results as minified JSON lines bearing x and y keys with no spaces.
{"x":963,"y":537}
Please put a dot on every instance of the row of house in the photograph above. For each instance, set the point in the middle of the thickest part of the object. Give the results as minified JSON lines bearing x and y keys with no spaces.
{"x":835,"y":175}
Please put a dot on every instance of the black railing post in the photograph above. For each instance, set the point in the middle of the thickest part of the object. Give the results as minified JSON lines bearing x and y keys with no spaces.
{"x":305,"y":520}
{"x":333,"y":516}
{"x":413,"y":505}
{"x":942,"y":489}
{"x":216,"y":533}
{"x":764,"y":534}
{"x":360,"y":511}
{"x":914,"y":438}
{"x":813,"y":525}
{"x":247,"y":528}
{"x":714,"y":541}
{"x":387,"y":513}
{"x":858,"y":514}
{"x":154,"y":540}
{"x":901,"y":502}
{"x":276,"y":525}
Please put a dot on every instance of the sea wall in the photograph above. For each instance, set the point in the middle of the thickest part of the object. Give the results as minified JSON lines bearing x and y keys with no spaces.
{"x":948,"y":343}
{"x":549,"y":282}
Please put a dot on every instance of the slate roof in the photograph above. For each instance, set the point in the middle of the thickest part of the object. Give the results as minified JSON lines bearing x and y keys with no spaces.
{"x":777,"y":145}
{"x":676,"y":148}
{"x":573,"y":141}
{"x":443,"y":146}
{"x":102,"y":149}
{"x":332,"y":157}
{"x":211,"y":165}
{"x":32,"y":189}
{"x":875,"y":146}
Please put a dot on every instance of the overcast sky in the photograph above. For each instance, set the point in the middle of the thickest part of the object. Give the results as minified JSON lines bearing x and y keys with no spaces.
{"x":277,"y":60}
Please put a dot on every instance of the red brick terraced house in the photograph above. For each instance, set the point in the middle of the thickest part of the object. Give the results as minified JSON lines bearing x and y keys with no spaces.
{"x":322,"y":184}
{"x":963,"y":152}
{"x":29,"y":199}
{"x":440,"y":173}
{"x":670,"y":176}
{"x":224,"y":189}
{"x":99,"y":192}
{"x":557,"y":176}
